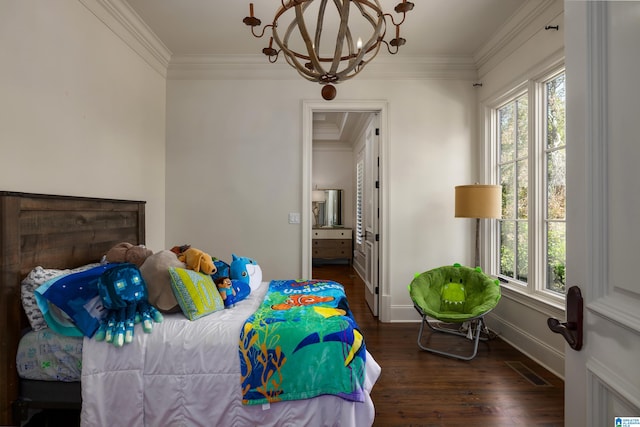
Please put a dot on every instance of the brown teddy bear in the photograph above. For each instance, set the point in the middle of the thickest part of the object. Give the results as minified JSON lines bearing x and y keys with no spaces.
{"x":126,"y":252}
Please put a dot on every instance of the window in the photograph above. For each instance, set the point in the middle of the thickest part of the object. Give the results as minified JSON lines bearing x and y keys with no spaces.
{"x":530,"y":164}
{"x":556,"y":183}
{"x":513,"y":143}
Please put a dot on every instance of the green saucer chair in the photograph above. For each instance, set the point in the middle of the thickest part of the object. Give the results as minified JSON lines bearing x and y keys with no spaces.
{"x":457,"y":297}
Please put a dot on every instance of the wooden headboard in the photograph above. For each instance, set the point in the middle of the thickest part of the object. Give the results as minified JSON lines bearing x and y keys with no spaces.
{"x":52,"y":232}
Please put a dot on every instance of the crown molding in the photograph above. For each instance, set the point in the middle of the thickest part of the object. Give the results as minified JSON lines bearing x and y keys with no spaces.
{"x":523,"y":25}
{"x":213,"y":67}
{"x":118,"y":16}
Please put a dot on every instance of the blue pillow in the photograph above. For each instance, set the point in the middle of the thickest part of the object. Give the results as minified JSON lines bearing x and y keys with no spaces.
{"x":71,"y":304}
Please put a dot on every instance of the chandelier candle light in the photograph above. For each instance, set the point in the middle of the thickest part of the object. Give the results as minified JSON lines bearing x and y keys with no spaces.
{"x":349,"y":55}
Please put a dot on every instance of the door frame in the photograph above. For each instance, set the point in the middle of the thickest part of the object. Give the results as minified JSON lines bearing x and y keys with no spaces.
{"x":373,"y":106}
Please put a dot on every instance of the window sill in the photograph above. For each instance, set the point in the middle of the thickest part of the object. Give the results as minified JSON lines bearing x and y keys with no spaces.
{"x":537,"y":301}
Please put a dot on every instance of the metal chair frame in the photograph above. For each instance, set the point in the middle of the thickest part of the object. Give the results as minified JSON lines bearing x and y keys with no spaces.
{"x":476,"y":328}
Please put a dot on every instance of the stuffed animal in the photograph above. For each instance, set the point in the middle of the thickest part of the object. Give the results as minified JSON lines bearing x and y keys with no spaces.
{"x":241,"y":289}
{"x":227,"y":291}
{"x":198,"y":261}
{"x":124,"y":296}
{"x":178,"y":250}
{"x":246,"y":270}
{"x":222,"y":269}
{"x":155,"y":272}
{"x":126,"y":252}
{"x":236,"y":281}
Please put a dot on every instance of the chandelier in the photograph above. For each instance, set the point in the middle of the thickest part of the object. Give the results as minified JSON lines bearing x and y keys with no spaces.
{"x":325,"y":45}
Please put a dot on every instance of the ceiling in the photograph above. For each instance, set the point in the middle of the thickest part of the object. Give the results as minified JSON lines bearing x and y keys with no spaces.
{"x":434,"y":28}
{"x":214,"y":27}
{"x":338,"y":127}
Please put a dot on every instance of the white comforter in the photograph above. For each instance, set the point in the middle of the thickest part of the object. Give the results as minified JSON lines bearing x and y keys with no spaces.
{"x":188,"y":374}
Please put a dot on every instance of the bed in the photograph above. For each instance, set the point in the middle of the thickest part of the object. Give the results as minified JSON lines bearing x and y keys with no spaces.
{"x":185,"y":371}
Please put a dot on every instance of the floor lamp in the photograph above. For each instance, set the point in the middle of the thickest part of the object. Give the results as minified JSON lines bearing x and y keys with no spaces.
{"x":478,"y":201}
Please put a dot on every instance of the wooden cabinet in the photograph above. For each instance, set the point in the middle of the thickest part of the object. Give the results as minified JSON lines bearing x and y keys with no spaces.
{"x":332,"y":243}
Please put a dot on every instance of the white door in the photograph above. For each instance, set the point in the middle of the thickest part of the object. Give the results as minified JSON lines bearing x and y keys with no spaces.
{"x":602,"y":381}
{"x":371,"y":213}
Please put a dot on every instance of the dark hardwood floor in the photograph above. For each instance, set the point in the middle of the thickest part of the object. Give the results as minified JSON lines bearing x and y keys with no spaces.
{"x":417,"y":388}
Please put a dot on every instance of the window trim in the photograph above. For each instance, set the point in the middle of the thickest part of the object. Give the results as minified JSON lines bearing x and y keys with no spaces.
{"x":533,"y":293}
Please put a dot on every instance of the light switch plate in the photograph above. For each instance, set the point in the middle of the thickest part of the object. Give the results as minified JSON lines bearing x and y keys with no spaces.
{"x":294,"y":217}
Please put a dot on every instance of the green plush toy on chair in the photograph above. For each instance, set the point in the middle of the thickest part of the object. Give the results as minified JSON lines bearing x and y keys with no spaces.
{"x":454,"y":295}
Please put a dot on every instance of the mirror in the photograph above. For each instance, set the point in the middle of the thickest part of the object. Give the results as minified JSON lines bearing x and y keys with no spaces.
{"x":333,"y":208}
{"x":327,"y":208}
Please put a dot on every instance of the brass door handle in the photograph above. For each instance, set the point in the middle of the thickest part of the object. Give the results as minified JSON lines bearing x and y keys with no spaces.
{"x":571,"y":330}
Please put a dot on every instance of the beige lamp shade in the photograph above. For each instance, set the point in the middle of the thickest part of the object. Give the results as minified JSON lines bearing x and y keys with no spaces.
{"x":478,"y":201}
{"x":317,"y":196}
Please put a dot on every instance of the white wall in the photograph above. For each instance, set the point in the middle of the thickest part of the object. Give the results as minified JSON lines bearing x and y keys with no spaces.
{"x":520,"y":319}
{"x":430,"y":151}
{"x":234,"y":171}
{"x":80,"y":113}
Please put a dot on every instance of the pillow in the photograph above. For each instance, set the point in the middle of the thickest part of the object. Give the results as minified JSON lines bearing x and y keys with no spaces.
{"x":36,"y":278}
{"x":71,"y":304}
{"x":155,"y":272}
{"x":47,"y":356}
{"x":196,"y":293}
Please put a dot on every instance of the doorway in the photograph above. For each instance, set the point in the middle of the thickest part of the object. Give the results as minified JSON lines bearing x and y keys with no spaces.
{"x":368,"y":237}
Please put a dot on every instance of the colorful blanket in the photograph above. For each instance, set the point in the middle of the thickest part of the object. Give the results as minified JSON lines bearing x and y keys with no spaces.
{"x":300,"y":343}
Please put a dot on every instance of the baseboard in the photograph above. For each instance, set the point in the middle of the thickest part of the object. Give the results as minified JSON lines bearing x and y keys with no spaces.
{"x":533,"y":347}
{"x":404,"y":313}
